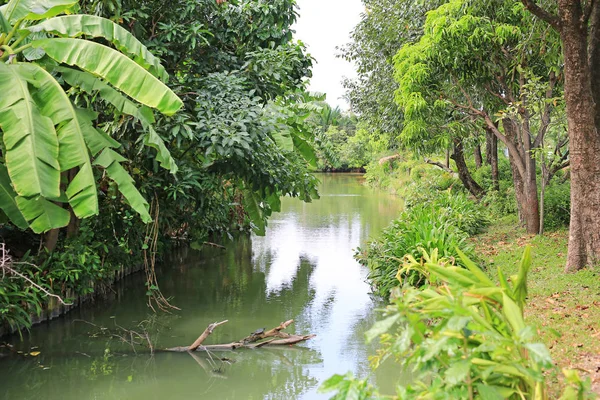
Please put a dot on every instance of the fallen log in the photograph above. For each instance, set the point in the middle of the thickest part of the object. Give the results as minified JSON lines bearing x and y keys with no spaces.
{"x":260,"y":338}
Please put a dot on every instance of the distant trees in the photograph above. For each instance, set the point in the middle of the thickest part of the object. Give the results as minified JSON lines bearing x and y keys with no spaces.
{"x":475,"y":66}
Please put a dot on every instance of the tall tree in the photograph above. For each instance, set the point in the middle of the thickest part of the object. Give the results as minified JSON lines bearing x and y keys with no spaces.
{"x":578,"y":23}
{"x":384,"y":27}
{"x":478,"y":60}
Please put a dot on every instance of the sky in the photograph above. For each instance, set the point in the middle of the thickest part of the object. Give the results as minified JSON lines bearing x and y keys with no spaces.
{"x":323,"y":25}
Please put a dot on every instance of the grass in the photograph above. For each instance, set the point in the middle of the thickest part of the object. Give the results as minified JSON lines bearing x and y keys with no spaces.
{"x":564,"y":307}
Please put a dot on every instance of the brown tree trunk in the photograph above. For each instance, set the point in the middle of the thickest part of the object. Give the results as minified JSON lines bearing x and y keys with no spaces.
{"x":463,"y":171}
{"x":50,"y":239}
{"x":584,"y":138}
{"x":478,"y":158}
{"x":491,"y":156}
{"x":525,"y":182}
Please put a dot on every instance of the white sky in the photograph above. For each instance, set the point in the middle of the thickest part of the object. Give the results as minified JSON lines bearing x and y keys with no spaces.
{"x":323,"y":25}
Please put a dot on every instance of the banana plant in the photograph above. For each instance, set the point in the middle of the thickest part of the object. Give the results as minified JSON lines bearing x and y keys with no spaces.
{"x":45,"y":49}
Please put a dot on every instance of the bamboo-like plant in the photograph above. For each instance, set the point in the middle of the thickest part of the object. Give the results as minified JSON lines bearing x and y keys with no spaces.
{"x":45,"y":48}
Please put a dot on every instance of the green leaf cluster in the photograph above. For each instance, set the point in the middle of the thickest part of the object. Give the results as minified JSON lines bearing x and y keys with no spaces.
{"x":45,"y":134}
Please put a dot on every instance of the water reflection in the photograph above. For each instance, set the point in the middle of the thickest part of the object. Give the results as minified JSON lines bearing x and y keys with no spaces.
{"x":302,"y":269}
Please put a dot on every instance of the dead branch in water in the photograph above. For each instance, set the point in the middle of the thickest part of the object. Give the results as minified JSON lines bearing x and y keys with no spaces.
{"x":260,"y":338}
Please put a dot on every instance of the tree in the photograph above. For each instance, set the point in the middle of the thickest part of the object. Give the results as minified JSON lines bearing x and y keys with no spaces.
{"x":476,"y":61}
{"x":241,"y":133}
{"x":578,"y":23}
{"x":45,"y":135}
{"x":384,"y":27}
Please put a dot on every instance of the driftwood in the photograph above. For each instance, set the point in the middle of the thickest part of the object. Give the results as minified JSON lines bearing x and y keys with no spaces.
{"x":272,"y":337}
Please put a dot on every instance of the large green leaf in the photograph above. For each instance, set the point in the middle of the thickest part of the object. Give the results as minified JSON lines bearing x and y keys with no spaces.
{"x":254,"y":210}
{"x":91,"y":25}
{"x":111,"y":162}
{"x":119,"y":70}
{"x":29,"y":137}
{"x":163,"y":156}
{"x":8,"y":203}
{"x":520,"y":285}
{"x":43,"y":215}
{"x":92,"y":84}
{"x":306,"y":150}
{"x":35,"y":9}
{"x":54,"y":103}
{"x":4,"y":25}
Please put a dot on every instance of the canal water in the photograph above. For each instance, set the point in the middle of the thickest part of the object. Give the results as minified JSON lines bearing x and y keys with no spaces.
{"x":302,"y":269}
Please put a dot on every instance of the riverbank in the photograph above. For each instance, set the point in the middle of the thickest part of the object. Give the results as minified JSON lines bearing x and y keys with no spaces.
{"x":564,"y":308}
{"x":52,"y":308}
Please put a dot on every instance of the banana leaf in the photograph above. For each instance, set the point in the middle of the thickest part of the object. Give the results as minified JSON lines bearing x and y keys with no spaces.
{"x":42,"y":214}
{"x":94,"y":26}
{"x":29,"y":137}
{"x":8,"y":202}
{"x":35,"y":9}
{"x":55,"y":104}
{"x":110,"y":160}
{"x":116,"y":68}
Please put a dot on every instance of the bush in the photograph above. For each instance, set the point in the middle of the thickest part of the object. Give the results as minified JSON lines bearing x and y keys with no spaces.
{"x":443,"y":222}
{"x":557,"y":205}
{"x":463,"y":336}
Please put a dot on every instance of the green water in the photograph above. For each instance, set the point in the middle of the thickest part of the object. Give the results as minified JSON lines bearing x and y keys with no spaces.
{"x":302,"y":269}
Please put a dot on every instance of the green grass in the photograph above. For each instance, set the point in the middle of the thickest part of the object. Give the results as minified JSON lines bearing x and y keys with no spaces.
{"x":564,"y":307}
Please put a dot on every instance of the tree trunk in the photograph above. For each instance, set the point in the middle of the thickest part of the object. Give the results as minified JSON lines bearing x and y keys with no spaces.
{"x":525,"y":182}
{"x":478,"y":158}
{"x":50,"y":239}
{"x":74,"y":222}
{"x":463,"y":171}
{"x":584,"y":138}
{"x":491,"y":156}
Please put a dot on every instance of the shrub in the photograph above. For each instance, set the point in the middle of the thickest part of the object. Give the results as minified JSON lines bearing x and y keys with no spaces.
{"x":427,"y":226}
{"x":557,"y":205}
{"x":463,"y":336}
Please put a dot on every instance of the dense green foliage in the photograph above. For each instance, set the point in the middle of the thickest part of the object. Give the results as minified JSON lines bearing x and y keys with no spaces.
{"x":478,"y":108}
{"x":242,"y":139}
{"x":440,"y":221}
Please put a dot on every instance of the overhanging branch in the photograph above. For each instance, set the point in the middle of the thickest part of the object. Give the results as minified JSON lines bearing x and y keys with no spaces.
{"x":542,"y":14}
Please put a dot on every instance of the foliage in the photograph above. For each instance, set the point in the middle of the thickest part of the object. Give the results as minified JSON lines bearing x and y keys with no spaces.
{"x":443,"y":224}
{"x":347,"y":387}
{"x":557,"y":205}
{"x":384,"y":28}
{"x":219,"y":166}
{"x":18,"y":300}
{"x":465,"y":337}
{"x":468,"y":216}
{"x":44,"y":132}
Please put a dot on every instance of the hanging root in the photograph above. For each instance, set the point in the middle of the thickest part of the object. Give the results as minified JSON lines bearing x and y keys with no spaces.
{"x":155,"y":296}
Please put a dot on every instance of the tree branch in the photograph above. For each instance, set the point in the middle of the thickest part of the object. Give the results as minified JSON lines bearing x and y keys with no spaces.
{"x":440,"y":165}
{"x":5,"y":266}
{"x":542,"y":14}
{"x":545,"y":120}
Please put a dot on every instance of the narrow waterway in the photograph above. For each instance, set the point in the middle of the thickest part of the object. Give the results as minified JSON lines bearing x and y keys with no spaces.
{"x":302,"y":269}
